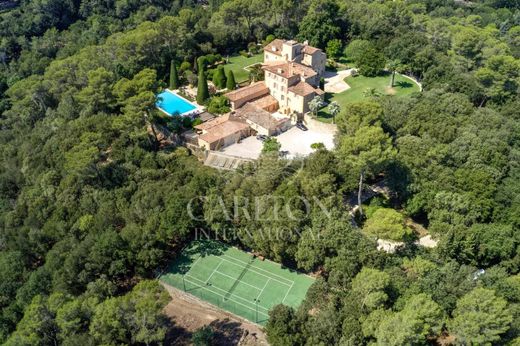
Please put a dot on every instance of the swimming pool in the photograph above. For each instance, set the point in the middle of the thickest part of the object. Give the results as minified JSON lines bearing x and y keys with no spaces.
{"x":171,"y":103}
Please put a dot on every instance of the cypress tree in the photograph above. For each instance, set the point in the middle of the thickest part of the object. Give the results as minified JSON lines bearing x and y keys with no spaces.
{"x":174,"y":76}
{"x":201,"y":63}
{"x":202,"y":88}
{"x":219,"y":78}
{"x":230,"y":83}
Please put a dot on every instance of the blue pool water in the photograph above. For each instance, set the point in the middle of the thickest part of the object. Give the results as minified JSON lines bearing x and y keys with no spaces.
{"x":173,"y":104}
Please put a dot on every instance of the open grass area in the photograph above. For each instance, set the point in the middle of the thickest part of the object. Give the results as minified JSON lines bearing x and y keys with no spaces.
{"x":237,"y":64}
{"x":359,"y":84}
{"x":235,"y":281}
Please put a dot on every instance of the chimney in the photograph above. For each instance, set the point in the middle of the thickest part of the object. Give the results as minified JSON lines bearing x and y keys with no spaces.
{"x":306,"y":42}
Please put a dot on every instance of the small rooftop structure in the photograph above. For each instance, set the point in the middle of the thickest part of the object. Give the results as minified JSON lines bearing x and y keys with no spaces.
{"x":276,"y":47}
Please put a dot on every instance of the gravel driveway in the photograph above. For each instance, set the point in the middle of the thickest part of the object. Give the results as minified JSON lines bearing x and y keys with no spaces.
{"x":334,"y":81}
{"x":294,"y":140}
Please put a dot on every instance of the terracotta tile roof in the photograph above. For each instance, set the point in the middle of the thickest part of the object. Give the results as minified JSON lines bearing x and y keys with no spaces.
{"x":212,"y":123}
{"x":258,"y":116}
{"x":265,"y":102}
{"x":275,"y":47}
{"x":304,"y":89}
{"x":289,"y":69}
{"x":223,"y":130}
{"x":256,"y":89}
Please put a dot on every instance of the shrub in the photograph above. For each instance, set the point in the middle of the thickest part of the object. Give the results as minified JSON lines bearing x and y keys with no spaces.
{"x":271,"y":144}
{"x":185,"y":66}
{"x":196,"y":121}
{"x":269,"y":38}
{"x":212,"y":59}
{"x":371,"y":62}
{"x":355,"y":48}
{"x":202,"y":336}
{"x":190,"y":77}
{"x":387,"y":223}
{"x":210,"y":74}
{"x":333,"y":49}
{"x":218,"y":105}
{"x":252,"y":48}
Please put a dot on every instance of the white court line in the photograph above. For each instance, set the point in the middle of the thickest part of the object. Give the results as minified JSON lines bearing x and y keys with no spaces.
{"x":192,"y":266}
{"x":220,"y":295}
{"x":202,"y":285}
{"x":258,"y":296}
{"x":245,"y":283}
{"x":286,"y":294}
{"x":267,"y":271}
{"x":214,"y":271}
{"x":254,"y":271}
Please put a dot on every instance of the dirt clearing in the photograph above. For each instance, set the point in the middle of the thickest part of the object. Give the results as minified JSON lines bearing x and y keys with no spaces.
{"x":189,"y":313}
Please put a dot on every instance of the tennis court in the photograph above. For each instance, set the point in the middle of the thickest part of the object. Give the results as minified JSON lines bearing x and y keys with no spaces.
{"x":235,"y":281}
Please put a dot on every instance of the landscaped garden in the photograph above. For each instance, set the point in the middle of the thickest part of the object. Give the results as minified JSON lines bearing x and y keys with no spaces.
{"x":363,"y":88}
{"x":239,"y":62}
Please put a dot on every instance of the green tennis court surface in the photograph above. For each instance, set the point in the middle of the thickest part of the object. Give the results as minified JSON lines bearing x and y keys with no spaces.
{"x":235,"y":281}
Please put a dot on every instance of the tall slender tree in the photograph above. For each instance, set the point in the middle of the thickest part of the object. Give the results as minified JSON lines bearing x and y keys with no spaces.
{"x":393,"y":65}
{"x":174,"y":76}
{"x":219,"y":78}
{"x":230,"y":83}
{"x":202,"y":88}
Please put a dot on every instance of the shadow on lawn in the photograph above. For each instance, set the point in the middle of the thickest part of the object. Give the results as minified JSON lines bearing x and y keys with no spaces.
{"x":198,"y":247}
{"x":404,"y":84}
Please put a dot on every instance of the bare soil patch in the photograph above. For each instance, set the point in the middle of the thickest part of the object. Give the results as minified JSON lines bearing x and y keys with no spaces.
{"x":188,"y":313}
{"x":390,"y":91}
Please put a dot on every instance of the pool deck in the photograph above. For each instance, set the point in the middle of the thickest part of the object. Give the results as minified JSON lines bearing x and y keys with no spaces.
{"x":198,"y":108}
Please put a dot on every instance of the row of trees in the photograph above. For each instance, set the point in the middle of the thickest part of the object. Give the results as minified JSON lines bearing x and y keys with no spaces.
{"x":221,"y":80}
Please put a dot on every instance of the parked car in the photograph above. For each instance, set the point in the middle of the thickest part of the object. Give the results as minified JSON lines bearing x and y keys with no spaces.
{"x":301,"y":126}
{"x":261,"y":137}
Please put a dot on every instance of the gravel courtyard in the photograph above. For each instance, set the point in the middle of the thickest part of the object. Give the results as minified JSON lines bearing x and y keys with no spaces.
{"x":294,"y":140}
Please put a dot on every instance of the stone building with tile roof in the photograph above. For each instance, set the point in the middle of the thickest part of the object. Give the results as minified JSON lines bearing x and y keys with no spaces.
{"x":292,"y":73}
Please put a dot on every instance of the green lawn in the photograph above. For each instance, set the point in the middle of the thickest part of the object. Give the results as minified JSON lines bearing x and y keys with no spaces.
{"x":237,"y":64}
{"x":358,"y":84}
{"x":235,"y":281}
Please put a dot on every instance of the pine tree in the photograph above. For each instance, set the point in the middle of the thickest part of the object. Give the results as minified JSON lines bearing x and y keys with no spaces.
{"x":230,"y":83}
{"x":174,"y":76}
{"x":219,"y":78}
{"x":202,"y":88}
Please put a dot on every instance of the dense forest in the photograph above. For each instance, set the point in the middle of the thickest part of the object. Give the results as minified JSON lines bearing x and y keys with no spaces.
{"x":91,"y":207}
